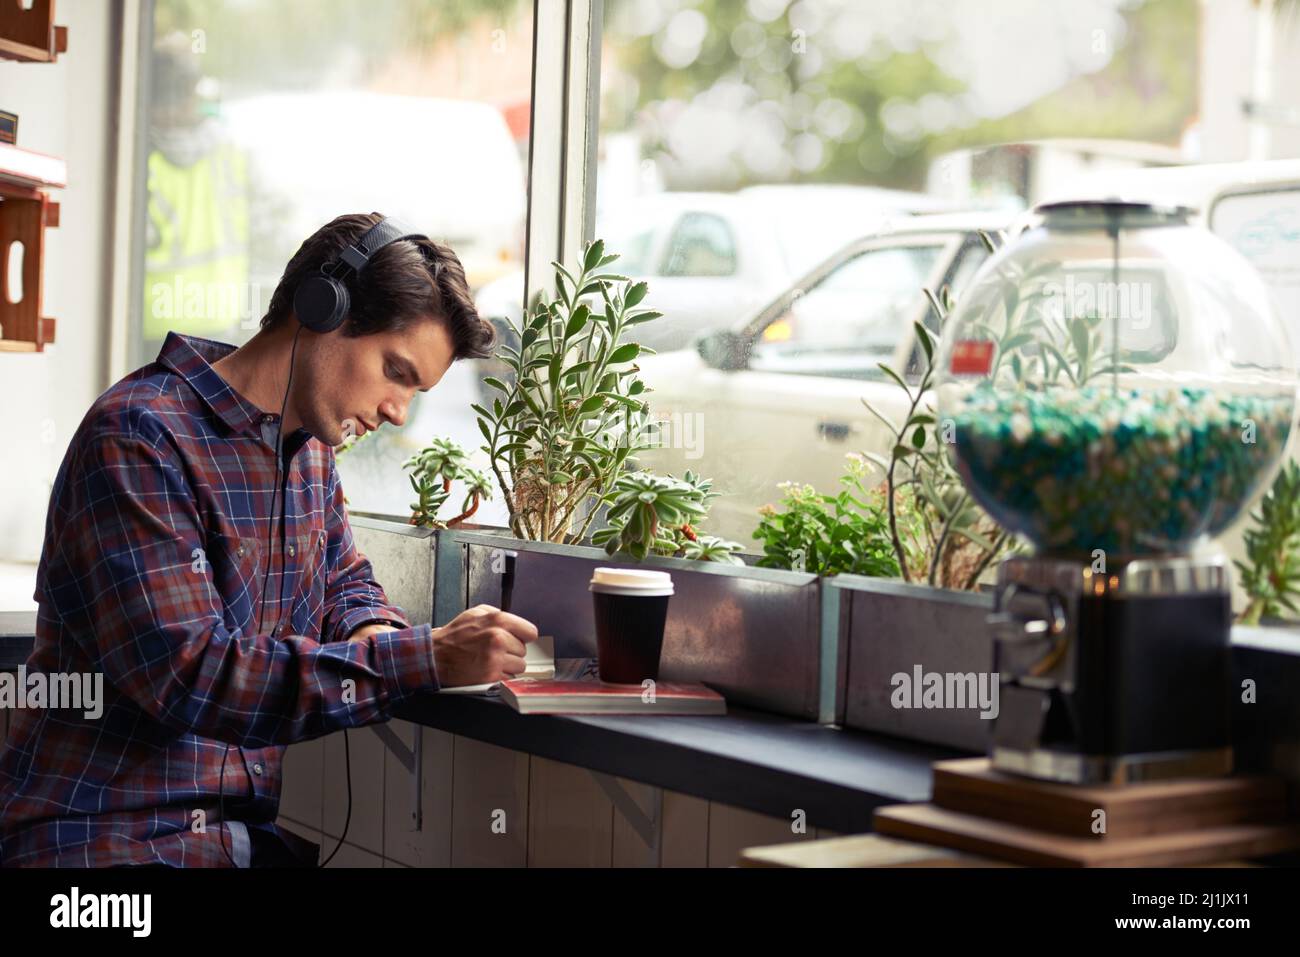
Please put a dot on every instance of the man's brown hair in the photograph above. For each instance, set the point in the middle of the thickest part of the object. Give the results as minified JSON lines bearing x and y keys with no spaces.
{"x":401,"y":283}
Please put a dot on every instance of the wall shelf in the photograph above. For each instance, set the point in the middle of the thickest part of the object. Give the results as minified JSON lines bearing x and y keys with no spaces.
{"x":26,"y":211}
{"x":25,"y":214}
{"x":30,"y":35}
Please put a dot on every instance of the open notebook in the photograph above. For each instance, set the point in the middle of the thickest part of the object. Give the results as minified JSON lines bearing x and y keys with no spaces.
{"x":592,"y":696}
{"x":539,"y":662}
{"x":573,"y":686}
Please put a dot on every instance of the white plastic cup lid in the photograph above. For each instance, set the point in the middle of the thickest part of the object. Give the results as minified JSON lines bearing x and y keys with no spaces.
{"x":631,"y":581}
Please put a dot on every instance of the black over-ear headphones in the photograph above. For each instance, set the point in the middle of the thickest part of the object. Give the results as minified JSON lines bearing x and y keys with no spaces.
{"x":322,"y":302}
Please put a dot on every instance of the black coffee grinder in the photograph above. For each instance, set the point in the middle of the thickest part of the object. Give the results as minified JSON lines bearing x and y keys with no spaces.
{"x":1113,"y":677}
{"x":1119,"y":390}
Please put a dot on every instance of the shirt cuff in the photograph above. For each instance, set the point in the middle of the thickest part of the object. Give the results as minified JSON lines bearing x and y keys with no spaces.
{"x":407,"y":660}
{"x":353,"y":619}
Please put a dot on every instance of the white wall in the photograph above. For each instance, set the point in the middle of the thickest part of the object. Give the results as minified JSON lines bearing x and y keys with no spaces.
{"x":66,"y":109}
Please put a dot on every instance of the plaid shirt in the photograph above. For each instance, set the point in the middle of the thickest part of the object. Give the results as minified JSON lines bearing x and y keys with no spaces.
{"x":152,"y":570}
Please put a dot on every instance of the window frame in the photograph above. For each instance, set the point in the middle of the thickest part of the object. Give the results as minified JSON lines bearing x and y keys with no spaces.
{"x":563,"y":134}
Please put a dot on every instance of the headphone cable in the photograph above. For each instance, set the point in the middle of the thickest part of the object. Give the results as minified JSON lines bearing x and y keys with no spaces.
{"x":261,"y":609}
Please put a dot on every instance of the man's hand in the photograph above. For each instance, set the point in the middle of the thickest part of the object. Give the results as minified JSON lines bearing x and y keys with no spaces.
{"x":374,"y":628}
{"x":480,"y":645}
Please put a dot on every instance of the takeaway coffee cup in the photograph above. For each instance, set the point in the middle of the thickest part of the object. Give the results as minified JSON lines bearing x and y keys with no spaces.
{"x":631,"y":607}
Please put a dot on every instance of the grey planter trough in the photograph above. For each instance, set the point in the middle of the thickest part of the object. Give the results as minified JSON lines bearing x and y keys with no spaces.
{"x":751,"y":633}
{"x":888,"y":629}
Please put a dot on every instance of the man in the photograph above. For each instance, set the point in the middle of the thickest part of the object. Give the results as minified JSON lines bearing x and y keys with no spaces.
{"x":155,"y":574}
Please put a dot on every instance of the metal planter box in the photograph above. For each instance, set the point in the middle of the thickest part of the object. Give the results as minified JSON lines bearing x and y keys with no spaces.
{"x":402,"y":557}
{"x":751,"y":633}
{"x":888,"y":629}
{"x":1266,"y":711}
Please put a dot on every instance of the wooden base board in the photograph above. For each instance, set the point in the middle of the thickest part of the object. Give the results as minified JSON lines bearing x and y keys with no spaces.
{"x":861,"y":850}
{"x":971,"y":786}
{"x":1022,"y":845}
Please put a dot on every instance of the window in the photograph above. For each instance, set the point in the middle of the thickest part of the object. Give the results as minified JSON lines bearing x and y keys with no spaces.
{"x":742,"y":148}
{"x":784,"y":136}
{"x":268,"y":121}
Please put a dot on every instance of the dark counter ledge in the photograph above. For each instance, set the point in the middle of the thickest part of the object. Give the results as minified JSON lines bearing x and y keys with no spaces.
{"x":750,"y":759}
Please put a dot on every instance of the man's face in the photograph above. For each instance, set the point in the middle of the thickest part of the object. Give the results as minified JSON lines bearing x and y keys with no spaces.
{"x":352,"y":386}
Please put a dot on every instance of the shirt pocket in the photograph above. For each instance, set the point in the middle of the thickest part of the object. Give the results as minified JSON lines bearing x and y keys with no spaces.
{"x":237,"y":571}
{"x":307,"y":600}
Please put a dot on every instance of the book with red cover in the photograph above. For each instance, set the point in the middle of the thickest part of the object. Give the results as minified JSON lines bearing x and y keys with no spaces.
{"x":534,"y":696}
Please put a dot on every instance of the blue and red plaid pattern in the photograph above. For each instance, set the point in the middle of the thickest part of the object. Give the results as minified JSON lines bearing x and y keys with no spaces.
{"x":151,"y":573}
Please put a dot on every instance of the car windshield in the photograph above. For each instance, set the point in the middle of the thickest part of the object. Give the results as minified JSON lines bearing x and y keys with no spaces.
{"x":851,"y":320}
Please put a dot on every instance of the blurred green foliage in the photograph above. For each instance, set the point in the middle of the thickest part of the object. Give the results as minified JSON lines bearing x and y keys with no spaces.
{"x":1146,"y":92}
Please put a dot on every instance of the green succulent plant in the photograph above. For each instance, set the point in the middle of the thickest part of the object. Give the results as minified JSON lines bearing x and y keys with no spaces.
{"x":441,"y":457}
{"x":711,"y":548}
{"x":1271,"y":573}
{"x":658,"y":514}
{"x":432,"y":471}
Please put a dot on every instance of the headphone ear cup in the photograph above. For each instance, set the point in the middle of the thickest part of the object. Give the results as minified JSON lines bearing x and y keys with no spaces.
{"x":321,"y":303}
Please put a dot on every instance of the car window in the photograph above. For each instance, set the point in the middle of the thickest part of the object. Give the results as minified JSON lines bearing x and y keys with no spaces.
{"x":702,"y":244}
{"x":852,"y":319}
{"x":972,"y":257}
{"x":633,"y":251}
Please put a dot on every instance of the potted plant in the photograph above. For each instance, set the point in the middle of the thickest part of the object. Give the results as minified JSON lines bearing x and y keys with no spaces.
{"x":844,"y":534}
{"x":561,"y":431}
{"x":951,"y":542}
